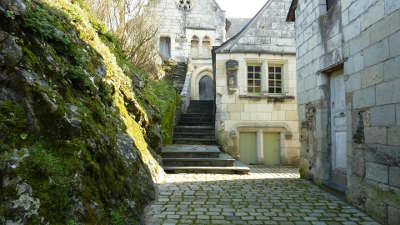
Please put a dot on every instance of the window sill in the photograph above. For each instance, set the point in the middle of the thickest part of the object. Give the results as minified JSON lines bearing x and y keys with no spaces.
{"x":267,"y":96}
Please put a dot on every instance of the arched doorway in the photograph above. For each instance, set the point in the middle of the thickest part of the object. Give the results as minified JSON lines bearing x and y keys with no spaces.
{"x":206,"y":88}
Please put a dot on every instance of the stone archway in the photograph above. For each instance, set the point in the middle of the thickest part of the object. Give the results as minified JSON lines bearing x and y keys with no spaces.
{"x":206,"y":88}
{"x":197,"y":75}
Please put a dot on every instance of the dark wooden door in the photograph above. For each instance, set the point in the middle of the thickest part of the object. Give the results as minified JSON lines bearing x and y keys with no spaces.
{"x":206,"y":88}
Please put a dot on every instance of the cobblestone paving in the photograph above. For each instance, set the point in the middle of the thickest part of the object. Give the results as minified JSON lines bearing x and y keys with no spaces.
{"x":265,"y":196}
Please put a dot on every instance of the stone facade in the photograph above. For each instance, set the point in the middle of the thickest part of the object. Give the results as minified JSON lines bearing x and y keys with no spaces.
{"x":361,"y":40}
{"x":192,"y":28}
{"x":204,"y":19}
{"x":267,"y":40}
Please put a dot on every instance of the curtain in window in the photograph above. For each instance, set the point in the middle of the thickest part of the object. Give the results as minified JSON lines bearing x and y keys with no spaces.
{"x":165,"y":48}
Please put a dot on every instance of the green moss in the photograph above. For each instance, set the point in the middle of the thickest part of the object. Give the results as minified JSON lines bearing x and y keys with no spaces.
{"x":388,"y":195}
{"x":68,"y":162}
{"x":31,"y":59}
{"x":78,"y":76}
{"x":162,"y":94}
{"x":302,"y":172}
{"x":45,"y":21}
{"x":51,"y":172}
{"x":117,"y":216}
{"x":12,"y":125}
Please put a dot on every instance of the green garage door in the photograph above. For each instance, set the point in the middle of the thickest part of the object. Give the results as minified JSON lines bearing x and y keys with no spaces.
{"x":248,"y":147}
{"x":271,"y":149}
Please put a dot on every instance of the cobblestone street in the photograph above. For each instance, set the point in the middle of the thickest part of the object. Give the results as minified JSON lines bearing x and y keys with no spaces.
{"x":265,"y":196}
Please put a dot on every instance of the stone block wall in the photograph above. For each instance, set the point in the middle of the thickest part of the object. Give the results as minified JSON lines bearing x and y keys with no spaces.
{"x":364,"y":36}
{"x":240,"y":111}
{"x":204,"y":18}
{"x":170,"y":21}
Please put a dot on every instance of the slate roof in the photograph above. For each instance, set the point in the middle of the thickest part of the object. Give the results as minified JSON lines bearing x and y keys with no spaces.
{"x":236,"y":25}
{"x":267,"y":32}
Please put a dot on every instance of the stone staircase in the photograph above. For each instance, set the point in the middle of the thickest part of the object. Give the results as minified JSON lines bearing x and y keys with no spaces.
{"x":176,"y":73}
{"x":195,"y":149}
{"x":180,"y":75}
{"x":197,"y":125}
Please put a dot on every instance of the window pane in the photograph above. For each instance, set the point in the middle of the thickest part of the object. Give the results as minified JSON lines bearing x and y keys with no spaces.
{"x":249,"y":68}
{"x":257,"y":68}
{"x":258,"y":82}
{"x":279,"y":90}
{"x":250,"y":76}
{"x":271,"y":90}
{"x":278,"y":76}
{"x":271,"y":76}
{"x":257,"y":76}
{"x":278,"y":69}
{"x":271,"y":69}
{"x":250,"y":83}
{"x":257,"y":89}
{"x":271,"y":83}
{"x":250,"y":89}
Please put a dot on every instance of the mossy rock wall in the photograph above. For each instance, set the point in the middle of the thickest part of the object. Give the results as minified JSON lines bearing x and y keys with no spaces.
{"x":79,"y":124}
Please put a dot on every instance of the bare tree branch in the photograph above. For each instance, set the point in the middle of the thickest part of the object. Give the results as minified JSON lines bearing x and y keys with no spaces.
{"x":134,"y":25}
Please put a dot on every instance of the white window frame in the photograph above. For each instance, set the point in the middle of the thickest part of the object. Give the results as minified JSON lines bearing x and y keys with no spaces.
{"x":254,"y":64}
{"x":274,"y":79}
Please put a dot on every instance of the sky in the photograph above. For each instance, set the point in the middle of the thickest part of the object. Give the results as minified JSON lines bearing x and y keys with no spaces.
{"x":241,"y":8}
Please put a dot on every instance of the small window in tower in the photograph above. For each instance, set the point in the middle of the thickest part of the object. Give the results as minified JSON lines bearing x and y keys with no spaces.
{"x":206,"y":42}
{"x":194,"y":42}
{"x":165,"y":47}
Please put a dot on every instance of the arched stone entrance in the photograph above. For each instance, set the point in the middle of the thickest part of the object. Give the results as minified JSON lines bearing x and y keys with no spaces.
{"x":206,"y":88}
{"x":203,"y":76}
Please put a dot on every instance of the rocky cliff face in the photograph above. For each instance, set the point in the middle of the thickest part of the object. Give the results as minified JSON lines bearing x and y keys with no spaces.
{"x":78,"y":123}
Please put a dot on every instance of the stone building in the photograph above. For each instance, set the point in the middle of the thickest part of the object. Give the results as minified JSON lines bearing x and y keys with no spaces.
{"x":348,"y":88}
{"x":255,"y":70}
{"x":187,"y":31}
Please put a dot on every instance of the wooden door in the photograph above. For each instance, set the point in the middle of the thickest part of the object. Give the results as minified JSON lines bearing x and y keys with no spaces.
{"x":248,"y":147}
{"x":338,"y":127}
{"x":206,"y":88}
{"x":271,"y":145}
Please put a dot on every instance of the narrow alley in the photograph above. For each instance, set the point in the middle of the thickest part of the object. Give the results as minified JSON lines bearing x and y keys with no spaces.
{"x":264,"y":196}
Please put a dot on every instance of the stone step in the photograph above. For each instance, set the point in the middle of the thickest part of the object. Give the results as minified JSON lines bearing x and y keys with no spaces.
{"x":207,"y":169}
{"x":195,"y":123}
{"x":202,"y":110}
{"x":201,"y":129}
{"x":195,"y":132}
{"x":196,"y":115}
{"x":202,"y":103}
{"x":205,"y":106}
{"x":194,"y":119}
{"x":190,"y":151}
{"x":199,"y":141}
{"x":193,"y":135}
{"x":198,"y":162}
{"x":200,"y":159}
